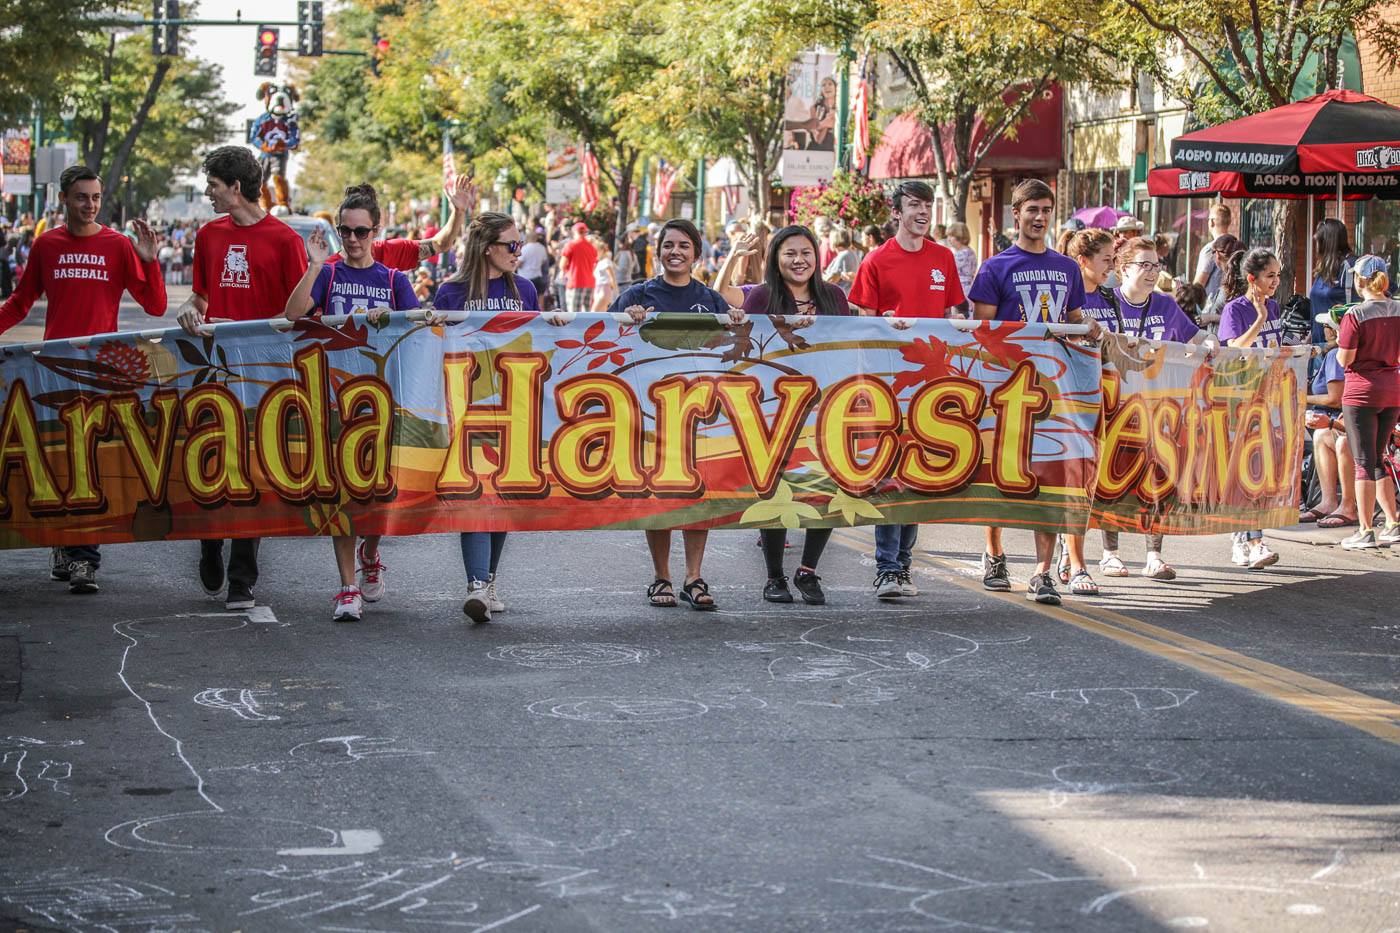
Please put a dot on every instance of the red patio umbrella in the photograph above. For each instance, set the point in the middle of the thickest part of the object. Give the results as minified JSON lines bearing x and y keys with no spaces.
{"x":1166,"y":181}
{"x":1337,"y":131}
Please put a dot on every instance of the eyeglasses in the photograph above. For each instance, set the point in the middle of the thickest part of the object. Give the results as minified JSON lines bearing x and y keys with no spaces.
{"x":512,"y":246}
{"x":1145,"y":266}
{"x":358,"y":233}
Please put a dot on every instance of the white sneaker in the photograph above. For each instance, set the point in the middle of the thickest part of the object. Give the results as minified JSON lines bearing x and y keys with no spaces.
{"x":348,"y":606}
{"x":1239,"y":552}
{"x":1260,"y":556}
{"x":371,"y":574}
{"x":478,"y":606}
{"x":492,"y":597}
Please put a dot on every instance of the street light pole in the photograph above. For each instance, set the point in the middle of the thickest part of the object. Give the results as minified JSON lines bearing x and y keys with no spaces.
{"x":700,"y":194}
{"x":843,"y":104}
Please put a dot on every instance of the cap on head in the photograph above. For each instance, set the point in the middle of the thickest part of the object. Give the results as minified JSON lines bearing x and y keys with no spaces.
{"x":1332,"y":317}
{"x":580,"y":227}
{"x":1126,"y":224}
{"x":1073,"y":223}
{"x":1369,"y":265}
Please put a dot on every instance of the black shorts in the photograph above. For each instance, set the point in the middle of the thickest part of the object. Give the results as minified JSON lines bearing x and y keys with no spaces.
{"x":1368,"y":433}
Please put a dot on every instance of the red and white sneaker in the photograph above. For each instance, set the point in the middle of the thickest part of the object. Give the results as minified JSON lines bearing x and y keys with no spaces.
{"x":371,"y":573}
{"x":348,"y":607}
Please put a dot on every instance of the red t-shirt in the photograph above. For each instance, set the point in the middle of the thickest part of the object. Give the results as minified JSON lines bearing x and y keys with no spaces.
{"x":247,"y":273}
{"x":396,"y":254}
{"x":1372,"y":329}
{"x":83,"y":278}
{"x":582,"y":258}
{"x":918,"y":284}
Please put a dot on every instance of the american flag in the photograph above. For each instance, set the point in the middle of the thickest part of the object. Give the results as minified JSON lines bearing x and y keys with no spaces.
{"x":449,"y":169}
{"x":731,"y":199}
{"x":860,"y":117}
{"x":588,"y":191}
{"x":666,"y":178}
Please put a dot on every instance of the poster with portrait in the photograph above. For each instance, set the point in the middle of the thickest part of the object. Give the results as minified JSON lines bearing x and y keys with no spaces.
{"x":563,"y":176}
{"x":15,"y":154}
{"x":810,"y":117}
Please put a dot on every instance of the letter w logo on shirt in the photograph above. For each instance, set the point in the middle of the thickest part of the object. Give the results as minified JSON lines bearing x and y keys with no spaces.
{"x":1042,"y":303}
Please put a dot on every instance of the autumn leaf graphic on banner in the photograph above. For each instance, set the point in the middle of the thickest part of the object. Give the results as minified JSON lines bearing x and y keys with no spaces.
{"x":347,"y":336}
{"x":931,"y":356}
{"x":782,"y":507}
{"x":994,"y":337}
{"x":602,"y":351}
{"x":851,"y":507}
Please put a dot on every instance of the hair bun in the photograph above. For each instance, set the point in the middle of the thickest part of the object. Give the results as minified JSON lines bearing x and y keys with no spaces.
{"x":364,"y":190}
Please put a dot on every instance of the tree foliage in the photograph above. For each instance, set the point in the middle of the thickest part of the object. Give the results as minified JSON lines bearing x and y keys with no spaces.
{"x":42,"y":45}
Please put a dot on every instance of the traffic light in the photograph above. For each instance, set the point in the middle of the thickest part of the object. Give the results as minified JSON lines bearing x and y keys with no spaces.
{"x":310,"y":27}
{"x":265,"y":64}
{"x":165,"y":31}
{"x":378,"y":52}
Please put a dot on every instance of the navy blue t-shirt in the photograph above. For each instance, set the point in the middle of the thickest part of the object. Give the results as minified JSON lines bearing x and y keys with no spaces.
{"x":664,"y":298}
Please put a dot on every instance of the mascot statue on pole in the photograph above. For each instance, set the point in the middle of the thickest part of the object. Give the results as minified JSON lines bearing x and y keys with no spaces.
{"x":276,"y":134}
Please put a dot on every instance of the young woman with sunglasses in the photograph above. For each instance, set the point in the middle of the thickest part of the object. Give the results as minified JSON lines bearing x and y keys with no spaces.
{"x":355,"y":284}
{"x":486,"y":282}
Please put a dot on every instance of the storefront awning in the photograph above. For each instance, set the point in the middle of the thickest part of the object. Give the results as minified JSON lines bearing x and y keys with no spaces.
{"x":906,"y":148}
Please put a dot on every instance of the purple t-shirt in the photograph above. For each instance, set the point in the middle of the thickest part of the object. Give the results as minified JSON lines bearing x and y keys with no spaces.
{"x":1159,"y":318}
{"x":1239,"y":315}
{"x":1037,"y":287}
{"x":1098,"y":307}
{"x":452,"y":296}
{"x":352,"y":289}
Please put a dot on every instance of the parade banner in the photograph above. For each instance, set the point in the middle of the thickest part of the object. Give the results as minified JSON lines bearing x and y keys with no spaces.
{"x":1197,"y":446}
{"x":505,"y":422}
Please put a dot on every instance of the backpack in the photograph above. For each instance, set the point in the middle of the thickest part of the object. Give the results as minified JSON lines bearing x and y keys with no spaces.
{"x":1296,"y":318}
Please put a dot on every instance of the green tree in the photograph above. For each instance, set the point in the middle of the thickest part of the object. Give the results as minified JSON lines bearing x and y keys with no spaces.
{"x":42,"y":44}
{"x":966,"y":64}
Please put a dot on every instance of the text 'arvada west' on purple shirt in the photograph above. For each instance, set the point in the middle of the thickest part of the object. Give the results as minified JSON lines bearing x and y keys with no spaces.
{"x":1036,"y":287}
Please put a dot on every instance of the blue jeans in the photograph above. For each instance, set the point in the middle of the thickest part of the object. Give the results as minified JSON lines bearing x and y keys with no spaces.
{"x":894,"y":547}
{"x":87,"y":552}
{"x":481,"y":553}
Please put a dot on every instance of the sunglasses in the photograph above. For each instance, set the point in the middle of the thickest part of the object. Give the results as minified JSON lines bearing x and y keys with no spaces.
{"x":512,"y":246}
{"x":358,"y":233}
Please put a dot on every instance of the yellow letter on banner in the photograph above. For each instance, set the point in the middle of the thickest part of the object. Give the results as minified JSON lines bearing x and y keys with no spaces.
{"x":766,"y":449}
{"x":943,"y":417}
{"x":19,"y":446}
{"x":216,"y":452}
{"x":855,"y":409}
{"x":598,"y":446}
{"x":366,"y":441}
{"x":516,"y":421}
{"x":681,"y":403}
{"x":150,"y":456}
{"x":86,"y":418}
{"x":1019,"y":400}
{"x":310,"y":399}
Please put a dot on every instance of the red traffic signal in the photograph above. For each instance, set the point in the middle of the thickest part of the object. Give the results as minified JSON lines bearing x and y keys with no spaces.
{"x":267,"y":37}
{"x":382,"y":46}
{"x":265,"y":53}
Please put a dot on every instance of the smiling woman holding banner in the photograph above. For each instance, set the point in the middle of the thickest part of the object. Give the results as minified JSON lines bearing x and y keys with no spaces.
{"x":676,"y":290}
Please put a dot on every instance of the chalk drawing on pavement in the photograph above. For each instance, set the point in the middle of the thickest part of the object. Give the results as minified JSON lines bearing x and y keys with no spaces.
{"x":24,"y":764}
{"x":242,"y":702}
{"x":568,"y":656}
{"x":1142,"y":698}
{"x":1066,"y":782}
{"x":618,"y":709}
{"x":69,"y":900}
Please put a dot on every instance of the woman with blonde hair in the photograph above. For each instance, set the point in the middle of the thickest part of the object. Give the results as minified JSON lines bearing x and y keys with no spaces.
{"x":605,"y":286}
{"x":960,"y":242}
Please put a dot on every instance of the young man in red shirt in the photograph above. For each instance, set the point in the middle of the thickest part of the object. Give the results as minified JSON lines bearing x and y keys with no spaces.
{"x":909,"y":275}
{"x":82,"y":268}
{"x":579,"y":258}
{"x":246,"y":264}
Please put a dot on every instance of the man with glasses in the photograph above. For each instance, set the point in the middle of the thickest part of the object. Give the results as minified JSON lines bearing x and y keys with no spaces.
{"x":246,"y":264}
{"x":1027,"y":282}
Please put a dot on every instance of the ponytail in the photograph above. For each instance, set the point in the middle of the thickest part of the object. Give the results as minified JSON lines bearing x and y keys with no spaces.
{"x":1242,"y":266}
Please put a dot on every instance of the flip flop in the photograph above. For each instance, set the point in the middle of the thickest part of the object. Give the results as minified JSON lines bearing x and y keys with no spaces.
{"x":1311,"y":515}
{"x":1341,"y":521}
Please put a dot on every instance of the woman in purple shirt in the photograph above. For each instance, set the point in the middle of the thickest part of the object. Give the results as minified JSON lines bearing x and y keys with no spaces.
{"x":486,"y":282}
{"x":355,"y":284}
{"x":793,"y":289}
{"x":1250,"y":319}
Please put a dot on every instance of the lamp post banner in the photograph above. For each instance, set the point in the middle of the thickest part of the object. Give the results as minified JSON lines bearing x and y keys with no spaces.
{"x":506,"y":422}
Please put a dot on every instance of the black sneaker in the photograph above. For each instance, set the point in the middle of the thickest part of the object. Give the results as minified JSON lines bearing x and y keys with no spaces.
{"x":1042,"y":590}
{"x":82,"y":577}
{"x":240,"y":596}
{"x":994,"y":574}
{"x":58,"y":565}
{"x":810,"y":586}
{"x":776,"y":590}
{"x":211,"y":571}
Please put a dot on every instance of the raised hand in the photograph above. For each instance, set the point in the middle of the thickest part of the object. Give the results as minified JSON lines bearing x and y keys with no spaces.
{"x":145,"y":240}
{"x":463,"y":193}
{"x":318,"y":250}
{"x":746,"y":245}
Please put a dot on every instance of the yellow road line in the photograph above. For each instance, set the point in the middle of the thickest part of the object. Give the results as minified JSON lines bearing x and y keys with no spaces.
{"x":1376,"y":717}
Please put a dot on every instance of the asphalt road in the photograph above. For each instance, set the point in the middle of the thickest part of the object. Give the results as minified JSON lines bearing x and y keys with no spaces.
{"x":1219,"y":752}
